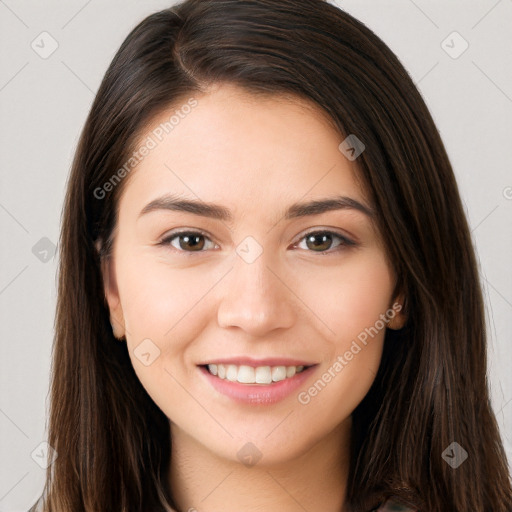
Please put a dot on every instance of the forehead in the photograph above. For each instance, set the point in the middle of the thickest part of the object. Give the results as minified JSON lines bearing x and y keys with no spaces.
{"x":249,"y":152}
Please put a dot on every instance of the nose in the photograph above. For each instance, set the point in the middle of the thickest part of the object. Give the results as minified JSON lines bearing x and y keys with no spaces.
{"x":256,"y":298}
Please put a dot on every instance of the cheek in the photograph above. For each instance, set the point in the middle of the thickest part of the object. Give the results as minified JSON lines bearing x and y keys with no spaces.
{"x":351,"y":302}
{"x":161,"y":313}
{"x":351,"y":296}
{"x":168,"y":307}
{"x":158,"y":300}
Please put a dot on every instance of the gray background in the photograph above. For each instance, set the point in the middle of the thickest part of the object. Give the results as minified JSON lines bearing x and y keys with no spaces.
{"x":44,"y":103}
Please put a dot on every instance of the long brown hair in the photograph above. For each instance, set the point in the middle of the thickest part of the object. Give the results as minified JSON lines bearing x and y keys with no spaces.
{"x":113,"y":442}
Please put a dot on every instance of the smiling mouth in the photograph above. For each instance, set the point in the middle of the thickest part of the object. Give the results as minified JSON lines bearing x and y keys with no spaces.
{"x":245,"y":374}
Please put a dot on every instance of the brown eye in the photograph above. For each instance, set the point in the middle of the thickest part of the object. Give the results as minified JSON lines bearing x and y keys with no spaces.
{"x":187,"y":241}
{"x":195,"y":242}
{"x":322,"y":241}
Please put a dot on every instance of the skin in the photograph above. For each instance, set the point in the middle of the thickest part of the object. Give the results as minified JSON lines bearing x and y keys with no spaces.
{"x":255,"y":156}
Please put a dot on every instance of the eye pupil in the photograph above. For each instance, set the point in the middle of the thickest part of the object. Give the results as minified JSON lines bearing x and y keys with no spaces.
{"x":324,"y":239}
{"x":192,"y":240}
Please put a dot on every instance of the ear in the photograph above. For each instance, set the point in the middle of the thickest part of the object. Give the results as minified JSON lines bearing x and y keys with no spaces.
{"x":397,"y":313}
{"x":112,"y":294}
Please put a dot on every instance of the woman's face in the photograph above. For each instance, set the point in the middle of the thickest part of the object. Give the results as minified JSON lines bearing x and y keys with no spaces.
{"x":257,"y":287}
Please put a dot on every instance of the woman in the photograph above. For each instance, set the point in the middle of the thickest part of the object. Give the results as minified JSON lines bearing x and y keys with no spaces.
{"x":262,"y":212}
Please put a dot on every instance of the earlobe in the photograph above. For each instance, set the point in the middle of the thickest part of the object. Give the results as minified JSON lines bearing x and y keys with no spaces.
{"x":398,"y":314}
{"x":112,"y":297}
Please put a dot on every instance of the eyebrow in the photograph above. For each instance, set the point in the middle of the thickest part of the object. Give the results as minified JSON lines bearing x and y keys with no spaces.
{"x":216,"y":211}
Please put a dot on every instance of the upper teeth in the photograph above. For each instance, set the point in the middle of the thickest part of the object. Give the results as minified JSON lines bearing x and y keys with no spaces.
{"x":251,"y":375}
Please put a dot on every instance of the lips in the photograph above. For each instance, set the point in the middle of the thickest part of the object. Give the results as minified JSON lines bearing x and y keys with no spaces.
{"x":256,"y":381}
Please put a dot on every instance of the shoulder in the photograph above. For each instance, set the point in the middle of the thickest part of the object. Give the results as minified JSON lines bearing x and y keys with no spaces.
{"x":390,"y":505}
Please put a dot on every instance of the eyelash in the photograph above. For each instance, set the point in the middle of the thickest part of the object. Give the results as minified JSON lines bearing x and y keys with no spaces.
{"x":344,"y":241}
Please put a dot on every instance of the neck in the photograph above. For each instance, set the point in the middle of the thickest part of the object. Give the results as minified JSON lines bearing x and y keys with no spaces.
{"x":202,"y":481}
